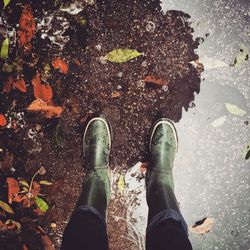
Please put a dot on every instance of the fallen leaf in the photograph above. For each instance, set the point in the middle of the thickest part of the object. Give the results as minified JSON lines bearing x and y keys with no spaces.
{"x":144,"y":167}
{"x":41,"y":204}
{"x":24,"y":183}
{"x":122,"y":55}
{"x":13,"y":189}
{"x":41,"y":91}
{"x":36,"y":189}
{"x":115,"y":94}
{"x":27,"y":28}
{"x":3,"y":121}
{"x":12,"y":224}
{"x":25,"y":247}
{"x":20,"y":198}
{"x":219,"y":122}
{"x":5,"y":3}
{"x":20,"y":84}
{"x":42,"y":171}
{"x":47,"y":243}
{"x":247,"y":152}
{"x":235,"y":110}
{"x":48,"y":111}
{"x":58,"y":63}
{"x":121,"y":183}
{"x":155,"y":81}
{"x":44,"y":182}
{"x":14,"y":83}
{"x":203,"y":226}
{"x":5,"y":49}
{"x":6,"y":207}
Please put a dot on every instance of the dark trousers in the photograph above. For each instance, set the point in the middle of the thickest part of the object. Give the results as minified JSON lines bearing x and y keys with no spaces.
{"x":86,"y":231}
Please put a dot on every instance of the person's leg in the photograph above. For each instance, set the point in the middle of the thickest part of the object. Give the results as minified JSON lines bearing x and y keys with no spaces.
{"x":166,"y":227}
{"x":87,"y":226}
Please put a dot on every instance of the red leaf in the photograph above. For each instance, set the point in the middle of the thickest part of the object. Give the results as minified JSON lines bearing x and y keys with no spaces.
{"x":155,"y":81}
{"x":27,"y":28}
{"x":48,"y":111}
{"x":13,"y":189}
{"x":25,"y":247}
{"x":20,"y":198}
{"x":41,"y":91}
{"x":3,"y":121}
{"x":20,"y":84}
{"x":36,"y":188}
{"x":144,"y":167}
{"x":58,"y":63}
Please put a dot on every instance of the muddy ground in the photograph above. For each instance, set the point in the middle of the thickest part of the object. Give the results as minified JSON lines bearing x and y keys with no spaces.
{"x":95,"y":86}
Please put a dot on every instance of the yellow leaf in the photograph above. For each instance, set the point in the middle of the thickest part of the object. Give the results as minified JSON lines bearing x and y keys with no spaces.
{"x":5,"y":3}
{"x":5,"y":49}
{"x":121,"y":183}
{"x":235,"y":110}
{"x":43,"y":182}
{"x":6,"y":207}
{"x":122,"y":55}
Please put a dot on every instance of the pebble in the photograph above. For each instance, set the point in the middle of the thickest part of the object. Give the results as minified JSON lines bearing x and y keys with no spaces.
{"x":120,"y":74}
{"x":150,"y":27}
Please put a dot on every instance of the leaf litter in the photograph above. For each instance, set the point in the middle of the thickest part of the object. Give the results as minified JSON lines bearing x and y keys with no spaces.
{"x":57,"y":28}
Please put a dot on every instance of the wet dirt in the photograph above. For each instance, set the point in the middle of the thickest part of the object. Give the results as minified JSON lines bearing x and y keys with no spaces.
{"x":168,"y":47}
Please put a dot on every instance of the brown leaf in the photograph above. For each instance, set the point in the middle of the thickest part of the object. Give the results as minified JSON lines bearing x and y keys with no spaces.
{"x":20,"y":84}
{"x":115,"y":94}
{"x":151,"y":79}
{"x":3,"y":121}
{"x":20,"y":198}
{"x":41,"y":91}
{"x":42,"y":171}
{"x":144,"y":167}
{"x":58,"y":63}
{"x":36,"y":188}
{"x":27,"y":28}
{"x":47,"y":110}
{"x":203,"y":226}
{"x":13,"y":189}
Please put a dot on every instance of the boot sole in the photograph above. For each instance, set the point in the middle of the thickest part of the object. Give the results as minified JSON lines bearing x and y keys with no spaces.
{"x":163,"y":121}
{"x":108,"y":126}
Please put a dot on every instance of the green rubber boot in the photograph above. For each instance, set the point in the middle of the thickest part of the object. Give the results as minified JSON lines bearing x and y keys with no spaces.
{"x":159,"y":178}
{"x":96,"y":149}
